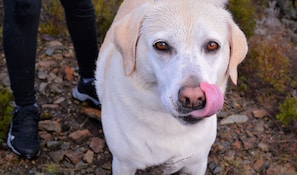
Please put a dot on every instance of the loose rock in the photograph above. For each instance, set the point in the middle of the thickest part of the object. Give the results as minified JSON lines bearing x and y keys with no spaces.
{"x":89,"y":157}
{"x":234,"y":119}
{"x":80,"y":135}
{"x":57,"y":156}
{"x":97,"y":144}
{"x":74,"y":157}
{"x":49,"y":125}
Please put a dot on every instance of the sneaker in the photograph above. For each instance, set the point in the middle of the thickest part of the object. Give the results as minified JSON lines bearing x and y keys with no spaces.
{"x":86,"y":92}
{"x":23,"y":138}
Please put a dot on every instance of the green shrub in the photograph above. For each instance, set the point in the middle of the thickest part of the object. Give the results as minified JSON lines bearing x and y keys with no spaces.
{"x":51,"y":169}
{"x":244,"y":15}
{"x":269,"y":75}
{"x":105,"y":12}
{"x":53,"y":21}
{"x":267,"y":70}
{"x":5,"y":111}
{"x":288,"y":110}
{"x":52,"y":18}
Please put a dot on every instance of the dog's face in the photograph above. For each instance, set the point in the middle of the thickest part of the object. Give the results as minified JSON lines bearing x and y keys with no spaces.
{"x":188,"y":50}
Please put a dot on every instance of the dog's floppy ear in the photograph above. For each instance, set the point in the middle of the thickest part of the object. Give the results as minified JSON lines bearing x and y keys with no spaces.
{"x":238,"y":49}
{"x":125,"y":36}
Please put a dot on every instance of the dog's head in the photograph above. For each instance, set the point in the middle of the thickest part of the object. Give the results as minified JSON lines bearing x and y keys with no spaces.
{"x":188,"y":48}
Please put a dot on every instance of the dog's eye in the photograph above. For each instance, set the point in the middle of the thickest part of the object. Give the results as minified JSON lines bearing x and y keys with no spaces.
{"x":212,"y":46}
{"x":161,"y":46}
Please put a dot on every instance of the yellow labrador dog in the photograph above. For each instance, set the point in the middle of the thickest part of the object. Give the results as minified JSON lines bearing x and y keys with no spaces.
{"x":161,"y":75}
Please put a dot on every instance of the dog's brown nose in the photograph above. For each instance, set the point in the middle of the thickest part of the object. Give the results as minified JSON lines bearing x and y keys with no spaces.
{"x":191,"y":97}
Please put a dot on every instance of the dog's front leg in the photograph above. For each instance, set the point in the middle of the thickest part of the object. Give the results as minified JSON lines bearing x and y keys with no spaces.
{"x":122,"y":168}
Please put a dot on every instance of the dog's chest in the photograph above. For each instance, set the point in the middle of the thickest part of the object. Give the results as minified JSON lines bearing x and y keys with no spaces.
{"x":168,"y":167}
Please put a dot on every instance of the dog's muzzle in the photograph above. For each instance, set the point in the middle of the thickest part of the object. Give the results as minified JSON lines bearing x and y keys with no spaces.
{"x":190,"y":99}
{"x":196,"y":103}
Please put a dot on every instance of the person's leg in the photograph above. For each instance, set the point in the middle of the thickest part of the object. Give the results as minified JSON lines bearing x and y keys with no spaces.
{"x":19,"y":42}
{"x":21,"y":19}
{"x":81,"y":23}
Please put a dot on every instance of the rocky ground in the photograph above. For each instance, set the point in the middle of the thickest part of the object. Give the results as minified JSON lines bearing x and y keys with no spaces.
{"x":250,"y":140}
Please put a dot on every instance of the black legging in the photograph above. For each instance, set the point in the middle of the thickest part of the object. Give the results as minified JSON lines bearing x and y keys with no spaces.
{"x":21,"y":20}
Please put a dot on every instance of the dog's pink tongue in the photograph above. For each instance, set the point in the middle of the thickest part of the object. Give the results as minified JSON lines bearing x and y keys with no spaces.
{"x":214,"y":101}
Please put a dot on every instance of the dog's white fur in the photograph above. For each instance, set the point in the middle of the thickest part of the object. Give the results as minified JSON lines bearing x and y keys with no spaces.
{"x":138,"y":85}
